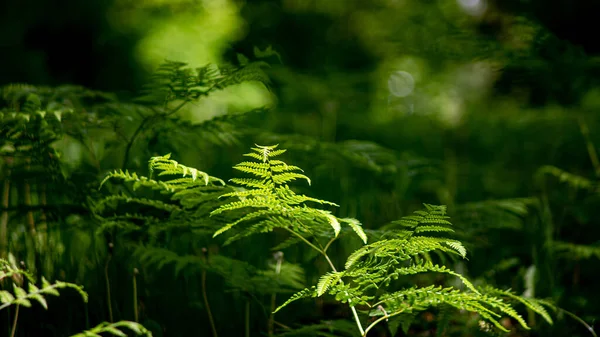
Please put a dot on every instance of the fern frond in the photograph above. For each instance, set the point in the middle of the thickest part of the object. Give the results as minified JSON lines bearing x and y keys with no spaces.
{"x":138,"y":181}
{"x":99,"y":206}
{"x":531,"y":303}
{"x":328,"y":280}
{"x":161,"y":257}
{"x":498,"y":213}
{"x":115,"y":329}
{"x":576,"y":251}
{"x":323,"y":329}
{"x":23,"y":297}
{"x":280,"y":206}
{"x":174,"y":81}
{"x":356,"y":227}
{"x":573,"y":180}
{"x":170,"y":166}
{"x":306,"y":293}
{"x":417,"y":299}
{"x":425,"y":267}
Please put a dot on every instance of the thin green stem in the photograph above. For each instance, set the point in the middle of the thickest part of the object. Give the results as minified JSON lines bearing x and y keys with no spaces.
{"x":377,"y":321}
{"x":135,"y":297}
{"x":587,"y":326}
{"x":328,"y":244}
{"x":271,"y":323}
{"x":247,"y":320}
{"x":590,"y":145}
{"x":140,"y":128}
{"x":108,"y":298}
{"x":205,"y":297}
{"x":330,"y":263}
{"x":209,"y":312}
{"x":283,"y":326}
{"x":14,"y":325}
{"x":304,"y":239}
{"x":322,"y":252}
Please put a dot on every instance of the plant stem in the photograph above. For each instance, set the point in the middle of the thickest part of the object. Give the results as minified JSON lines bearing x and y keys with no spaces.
{"x":108,"y":298}
{"x":372,"y":325}
{"x":304,"y":239}
{"x":322,"y":252}
{"x":283,"y":326}
{"x":14,"y":326}
{"x":271,"y":323}
{"x":4,"y":216}
{"x":135,"y":298}
{"x":590,"y":329}
{"x":247,"y":320}
{"x":590,"y":146}
{"x":328,"y":244}
{"x":140,"y":128}
{"x":205,"y":296}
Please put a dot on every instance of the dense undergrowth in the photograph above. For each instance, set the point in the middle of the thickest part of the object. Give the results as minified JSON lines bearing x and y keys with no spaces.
{"x":174,"y":229}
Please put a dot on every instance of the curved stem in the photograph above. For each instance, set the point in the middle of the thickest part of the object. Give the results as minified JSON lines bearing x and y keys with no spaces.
{"x":206,"y":304}
{"x":271,"y":322}
{"x":247,"y":320}
{"x":108,"y":298}
{"x":590,"y":145}
{"x":304,"y":239}
{"x":372,"y":325}
{"x":322,"y":252}
{"x":357,"y":320}
{"x":377,"y":321}
{"x":205,"y":296}
{"x":590,"y":329}
{"x":14,"y":326}
{"x":328,"y":244}
{"x":135,"y":298}
{"x":132,"y":140}
{"x":140,"y":128}
{"x":283,"y":326}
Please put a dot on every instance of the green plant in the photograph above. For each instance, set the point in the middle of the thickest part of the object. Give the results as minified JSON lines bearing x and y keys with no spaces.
{"x":371,"y":281}
{"x":368,"y":272}
{"x":21,"y":297}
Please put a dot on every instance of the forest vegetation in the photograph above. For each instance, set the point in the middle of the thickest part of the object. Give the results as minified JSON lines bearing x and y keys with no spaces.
{"x":299,"y":168}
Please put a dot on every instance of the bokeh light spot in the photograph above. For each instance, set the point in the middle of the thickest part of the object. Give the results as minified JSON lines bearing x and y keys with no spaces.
{"x":401,"y":83}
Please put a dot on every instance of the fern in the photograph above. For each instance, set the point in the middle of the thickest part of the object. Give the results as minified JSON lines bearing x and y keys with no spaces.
{"x":22,"y":297}
{"x":576,"y":251}
{"x":166,"y":166}
{"x":174,"y":81}
{"x":278,"y":206}
{"x":531,"y":303}
{"x":323,"y":329}
{"x":370,"y":270}
{"x":572,"y":180}
{"x":115,"y":329}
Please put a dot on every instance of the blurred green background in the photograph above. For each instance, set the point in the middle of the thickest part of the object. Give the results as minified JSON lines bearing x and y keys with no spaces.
{"x":489,"y":107}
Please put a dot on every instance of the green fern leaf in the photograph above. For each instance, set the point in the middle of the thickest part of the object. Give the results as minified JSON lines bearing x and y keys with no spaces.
{"x":327,"y":280}
{"x":356,"y":227}
{"x":308,"y":292}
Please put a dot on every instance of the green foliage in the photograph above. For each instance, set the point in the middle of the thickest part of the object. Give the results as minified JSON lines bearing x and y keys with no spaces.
{"x":174,"y":81}
{"x":370,"y":270}
{"x":22,"y":297}
{"x":323,"y":329}
{"x":572,"y":180}
{"x":115,"y":329}
{"x":278,"y":206}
